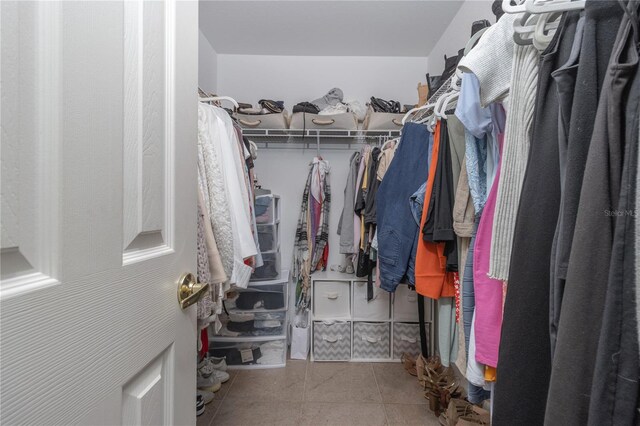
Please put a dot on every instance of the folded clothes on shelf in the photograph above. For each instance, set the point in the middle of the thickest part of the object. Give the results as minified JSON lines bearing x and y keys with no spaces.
{"x":260,"y":299}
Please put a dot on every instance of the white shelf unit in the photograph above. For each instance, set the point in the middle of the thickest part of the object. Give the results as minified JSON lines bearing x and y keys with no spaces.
{"x":376,"y":330}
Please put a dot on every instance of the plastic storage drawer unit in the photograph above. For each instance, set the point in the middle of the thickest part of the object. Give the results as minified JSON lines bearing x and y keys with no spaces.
{"x":268,"y":237}
{"x":259,"y":298}
{"x":267,"y":209}
{"x":270,"y":269}
{"x":257,"y":353}
{"x":250,"y":324}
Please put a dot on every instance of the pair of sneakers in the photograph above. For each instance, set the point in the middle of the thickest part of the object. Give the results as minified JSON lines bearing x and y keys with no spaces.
{"x":211,"y":374}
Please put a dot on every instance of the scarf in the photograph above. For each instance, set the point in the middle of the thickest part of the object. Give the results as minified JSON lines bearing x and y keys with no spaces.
{"x":312,"y":232}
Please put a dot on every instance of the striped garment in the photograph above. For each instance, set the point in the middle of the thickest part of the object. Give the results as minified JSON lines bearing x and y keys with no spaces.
{"x":312,"y":233}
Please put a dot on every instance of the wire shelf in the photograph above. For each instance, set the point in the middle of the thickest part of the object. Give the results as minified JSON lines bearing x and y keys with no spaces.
{"x":327,"y":138}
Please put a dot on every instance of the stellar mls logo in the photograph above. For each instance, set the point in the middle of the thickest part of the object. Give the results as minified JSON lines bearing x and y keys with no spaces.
{"x":620,"y":213}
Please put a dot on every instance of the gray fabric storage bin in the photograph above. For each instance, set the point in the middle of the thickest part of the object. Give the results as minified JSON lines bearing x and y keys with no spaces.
{"x":263,"y":121}
{"x":371,"y":340}
{"x":382,"y":121}
{"x":406,"y":339}
{"x":331,"y":340}
{"x":304,"y":120}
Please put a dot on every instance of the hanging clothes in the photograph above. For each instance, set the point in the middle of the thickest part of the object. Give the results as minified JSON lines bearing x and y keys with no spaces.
{"x":514,"y":157}
{"x":312,"y":232}
{"x":615,"y":388}
{"x":221,"y":147}
{"x":225,"y":140}
{"x":588,"y":269}
{"x":525,"y":331}
{"x":488,"y":292}
{"x":346,"y":222}
{"x":397,"y":231}
{"x":600,"y":29}
{"x":432,"y":279}
{"x":205,"y":304}
{"x":566,"y":79}
{"x":212,"y":185}
{"x":439,"y":225}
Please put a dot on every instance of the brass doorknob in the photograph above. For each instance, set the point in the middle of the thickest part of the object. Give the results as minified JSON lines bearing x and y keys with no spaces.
{"x":190,"y":290}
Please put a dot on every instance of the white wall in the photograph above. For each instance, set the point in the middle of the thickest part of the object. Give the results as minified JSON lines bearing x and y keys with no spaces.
{"x":458,"y":32}
{"x":285,"y":172}
{"x":207,"y":65}
{"x":249,"y":78}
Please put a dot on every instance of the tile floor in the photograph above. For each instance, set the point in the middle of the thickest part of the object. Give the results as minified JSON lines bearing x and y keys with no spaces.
{"x":306,"y":393}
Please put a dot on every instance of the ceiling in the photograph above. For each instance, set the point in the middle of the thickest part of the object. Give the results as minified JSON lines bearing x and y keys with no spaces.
{"x":327,"y":27}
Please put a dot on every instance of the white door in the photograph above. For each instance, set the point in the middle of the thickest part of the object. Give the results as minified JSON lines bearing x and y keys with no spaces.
{"x":98,"y":153}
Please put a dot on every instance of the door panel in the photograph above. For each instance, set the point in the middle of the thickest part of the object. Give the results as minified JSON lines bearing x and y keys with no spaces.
{"x":98,"y":211}
{"x":150,"y":389}
{"x":147,"y":138}
{"x":31,"y":141}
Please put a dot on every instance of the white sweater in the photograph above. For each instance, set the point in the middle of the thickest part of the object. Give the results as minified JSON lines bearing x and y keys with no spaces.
{"x":515,"y":153}
{"x":491,"y":60}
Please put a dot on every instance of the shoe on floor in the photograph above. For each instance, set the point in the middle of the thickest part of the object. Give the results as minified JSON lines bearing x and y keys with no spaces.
{"x":210,"y":383}
{"x":218,"y":363}
{"x":199,"y":406}
{"x":222,"y":376}
{"x":207,"y":396}
{"x":210,"y":363}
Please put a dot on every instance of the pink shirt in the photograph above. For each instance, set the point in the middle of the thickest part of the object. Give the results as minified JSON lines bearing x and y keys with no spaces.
{"x":488,"y":291}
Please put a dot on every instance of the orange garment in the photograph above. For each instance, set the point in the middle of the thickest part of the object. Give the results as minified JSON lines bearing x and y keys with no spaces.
{"x":490,"y":374}
{"x":432,"y":278}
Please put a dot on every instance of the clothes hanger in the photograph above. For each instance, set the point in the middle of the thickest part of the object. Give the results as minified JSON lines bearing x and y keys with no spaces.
{"x":450,"y":102}
{"x":549,"y":6}
{"x":384,"y":145}
{"x":545,"y":30}
{"x":507,"y":7}
{"x":444,"y":101}
{"x":473,"y":40}
{"x":412,"y":111}
{"x":220,"y":98}
{"x":254,"y":149}
{"x":523,"y":29}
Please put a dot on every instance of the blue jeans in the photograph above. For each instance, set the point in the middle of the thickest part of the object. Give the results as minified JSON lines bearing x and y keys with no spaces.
{"x":397,"y":228}
{"x":476,"y":394}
